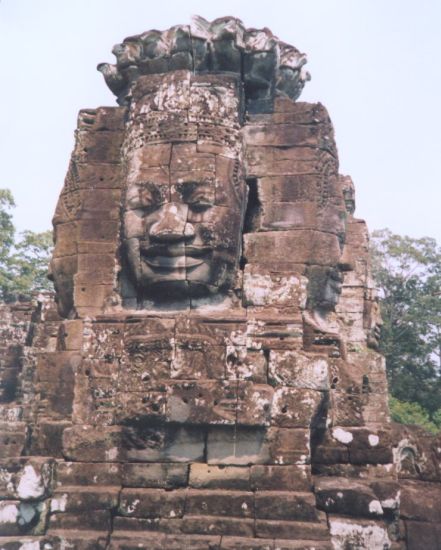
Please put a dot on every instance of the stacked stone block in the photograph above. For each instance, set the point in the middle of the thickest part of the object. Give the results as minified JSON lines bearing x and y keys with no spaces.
{"x":248,"y":409}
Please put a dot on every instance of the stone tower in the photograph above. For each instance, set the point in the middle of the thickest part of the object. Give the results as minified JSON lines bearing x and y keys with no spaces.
{"x":209,"y":378}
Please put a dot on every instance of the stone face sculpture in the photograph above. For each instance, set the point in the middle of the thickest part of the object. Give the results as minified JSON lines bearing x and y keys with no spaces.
{"x":210,"y":378}
{"x":185,"y":197}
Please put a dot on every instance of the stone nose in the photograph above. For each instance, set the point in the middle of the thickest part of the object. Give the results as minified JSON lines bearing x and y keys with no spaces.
{"x":171,"y":225}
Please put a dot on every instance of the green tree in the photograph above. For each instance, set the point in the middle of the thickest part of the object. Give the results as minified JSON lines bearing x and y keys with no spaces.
{"x":7,"y":239}
{"x":30,"y":262}
{"x":411,"y":413}
{"x":408,"y":274}
{"x":23,"y":260}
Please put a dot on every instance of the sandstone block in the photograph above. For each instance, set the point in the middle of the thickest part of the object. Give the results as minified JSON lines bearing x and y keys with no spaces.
{"x":84,"y":499}
{"x":12,"y":439}
{"x":87,"y":474}
{"x":98,"y":521}
{"x":241,"y":527}
{"x":151,"y":503}
{"x":421,"y":534}
{"x":298,"y":370}
{"x":275,"y":289}
{"x":347,"y":497}
{"x":219,"y":503}
{"x":22,"y":518}
{"x":420,"y":501}
{"x":295,"y":407}
{"x":293,"y":477}
{"x":163,"y":475}
{"x":102,"y":119}
{"x":103,"y":146}
{"x":207,"y":476}
{"x":294,"y":530}
{"x":303,"y":246}
{"x":152,"y":442}
{"x":26,"y":478}
{"x":85,"y":443}
{"x":365,"y":533}
{"x":292,"y":506}
{"x":239,"y":543}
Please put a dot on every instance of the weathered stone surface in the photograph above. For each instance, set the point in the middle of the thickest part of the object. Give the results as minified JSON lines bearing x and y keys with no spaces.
{"x":211,"y":379}
{"x":347,"y":497}
{"x":204,"y":476}
{"x":357,"y":532}
{"x":163,"y":475}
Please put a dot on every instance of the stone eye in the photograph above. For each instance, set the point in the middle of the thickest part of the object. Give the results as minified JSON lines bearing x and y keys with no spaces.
{"x":199,"y":204}
{"x":148,"y":198}
{"x":199,"y":200}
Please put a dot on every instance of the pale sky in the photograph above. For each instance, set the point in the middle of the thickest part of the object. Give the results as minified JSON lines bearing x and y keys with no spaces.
{"x":375,"y":65}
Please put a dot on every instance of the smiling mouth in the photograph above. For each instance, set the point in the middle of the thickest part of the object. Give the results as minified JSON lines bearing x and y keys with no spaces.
{"x":174,"y":257}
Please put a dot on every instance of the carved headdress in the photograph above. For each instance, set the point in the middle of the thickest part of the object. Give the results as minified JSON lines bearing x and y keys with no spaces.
{"x":266,"y":65}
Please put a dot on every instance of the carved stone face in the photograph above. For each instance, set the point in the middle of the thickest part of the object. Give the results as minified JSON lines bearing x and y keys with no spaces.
{"x":373,"y":322}
{"x":182,"y":228}
{"x":325,"y":286}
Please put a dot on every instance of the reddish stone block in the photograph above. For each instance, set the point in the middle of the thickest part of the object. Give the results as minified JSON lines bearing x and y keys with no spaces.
{"x":88,"y":474}
{"x":310,"y":247}
{"x":65,"y":239}
{"x":98,"y":521}
{"x":55,"y":379}
{"x":420,"y":501}
{"x":295,"y":407}
{"x":294,"y":530}
{"x":97,"y":175}
{"x":84,"y":499}
{"x":97,"y":230}
{"x":151,"y":503}
{"x":214,"y":525}
{"x":347,"y":497}
{"x":102,"y":118}
{"x":239,"y":543}
{"x":85,"y":443}
{"x":288,"y":445}
{"x":421,"y":534}
{"x":207,"y":476}
{"x":293,"y":477}
{"x":212,"y":402}
{"x":162,"y":475}
{"x":254,"y":404}
{"x":103,"y":146}
{"x":285,"y":506}
{"x":219,"y":503}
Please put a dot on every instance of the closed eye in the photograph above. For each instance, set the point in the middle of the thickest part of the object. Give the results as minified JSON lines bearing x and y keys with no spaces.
{"x":200,"y":204}
{"x":147,"y":208}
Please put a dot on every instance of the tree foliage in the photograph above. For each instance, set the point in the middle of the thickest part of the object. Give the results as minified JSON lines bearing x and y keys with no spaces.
{"x":408,"y":274}
{"x":412,"y":413}
{"x":24,"y":258}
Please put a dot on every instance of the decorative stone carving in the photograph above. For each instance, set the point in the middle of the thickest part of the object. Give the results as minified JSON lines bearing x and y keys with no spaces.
{"x":264,"y":63}
{"x":185,"y":197}
{"x":211,"y":378}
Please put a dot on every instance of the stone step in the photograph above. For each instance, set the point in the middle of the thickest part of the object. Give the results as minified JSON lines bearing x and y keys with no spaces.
{"x":83,"y":498}
{"x":274,"y":505}
{"x":357,"y":497}
{"x":128,"y":540}
{"x":77,"y":539}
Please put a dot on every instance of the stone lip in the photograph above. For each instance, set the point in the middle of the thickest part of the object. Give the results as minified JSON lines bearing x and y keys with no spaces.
{"x":267,"y":66}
